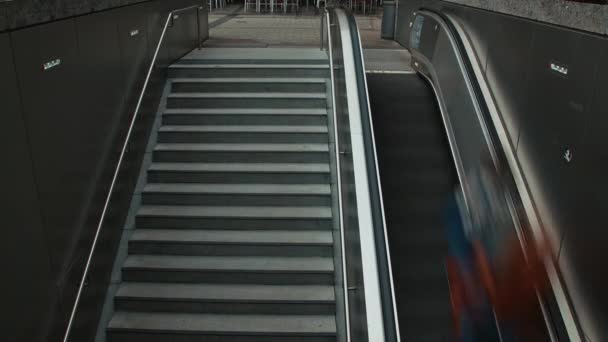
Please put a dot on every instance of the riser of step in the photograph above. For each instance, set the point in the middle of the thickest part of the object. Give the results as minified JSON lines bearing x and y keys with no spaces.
{"x":162,"y":176}
{"x":258,"y":119}
{"x":229,"y":270}
{"x":241,"y":137}
{"x":240,"y":72}
{"x":225,"y":298}
{"x":140,"y":327}
{"x":185,"y":86}
{"x":225,"y":223}
{"x":172,"y":248}
{"x":210,"y":102}
{"x":289,"y":308}
{"x":240,"y":157}
{"x":254,"y":61}
{"x":232,"y":277}
{"x":139,"y":336}
{"x":236,"y":199}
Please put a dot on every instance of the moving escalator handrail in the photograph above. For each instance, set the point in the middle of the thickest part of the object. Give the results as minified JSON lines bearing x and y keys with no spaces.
{"x":378,"y":291}
{"x":525,"y":216}
{"x":171,"y":16}
{"x":391,"y":321}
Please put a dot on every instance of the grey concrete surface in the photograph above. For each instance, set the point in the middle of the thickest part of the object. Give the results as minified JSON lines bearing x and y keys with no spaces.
{"x":232,"y":27}
{"x":387,"y":60}
{"x":285,"y":34}
{"x":582,"y":16}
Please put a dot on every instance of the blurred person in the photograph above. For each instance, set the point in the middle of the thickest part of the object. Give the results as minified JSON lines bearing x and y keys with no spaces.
{"x":493,"y":285}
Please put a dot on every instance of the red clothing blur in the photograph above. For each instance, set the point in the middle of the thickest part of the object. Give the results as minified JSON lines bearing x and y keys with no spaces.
{"x":513,"y":283}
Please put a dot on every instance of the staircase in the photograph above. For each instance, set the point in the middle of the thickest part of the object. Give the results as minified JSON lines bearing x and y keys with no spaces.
{"x":233,"y":240}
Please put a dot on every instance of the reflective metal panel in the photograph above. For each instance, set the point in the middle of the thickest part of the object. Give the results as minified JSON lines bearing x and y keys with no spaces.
{"x":508,"y":68}
{"x":552,"y":124}
{"x":582,"y":258}
{"x":476,"y":25}
{"x":405,"y":9}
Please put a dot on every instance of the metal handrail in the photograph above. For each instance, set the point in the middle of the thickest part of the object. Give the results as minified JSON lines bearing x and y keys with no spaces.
{"x":367,"y":108}
{"x":338,"y":153}
{"x":169,"y":22}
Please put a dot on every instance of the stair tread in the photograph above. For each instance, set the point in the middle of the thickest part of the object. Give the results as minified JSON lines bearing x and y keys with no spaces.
{"x":261,"y":212}
{"x":242,"y":95}
{"x":223,"y":324}
{"x":245,"y":237}
{"x":228,"y":292}
{"x":242,"y":167}
{"x":249,"y":80}
{"x":230,"y":263}
{"x":262,"y":189}
{"x":310,"y":147}
{"x":244,"y":129}
{"x":247,"y":111}
{"x":249,"y":66}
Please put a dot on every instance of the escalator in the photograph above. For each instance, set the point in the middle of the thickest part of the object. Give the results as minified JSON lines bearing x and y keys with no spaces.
{"x":431,"y":129}
{"x":417,"y":174}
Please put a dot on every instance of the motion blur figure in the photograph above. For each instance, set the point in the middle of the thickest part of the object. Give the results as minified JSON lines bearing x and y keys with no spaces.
{"x":493,"y":282}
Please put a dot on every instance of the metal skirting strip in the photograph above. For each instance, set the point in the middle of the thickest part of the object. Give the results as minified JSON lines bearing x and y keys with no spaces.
{"x":399,"y":72}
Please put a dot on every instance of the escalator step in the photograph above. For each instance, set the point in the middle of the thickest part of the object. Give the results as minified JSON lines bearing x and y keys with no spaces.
{"x":130,"y":326}
{"x":229,"y":269}
{"x":226,"y":298}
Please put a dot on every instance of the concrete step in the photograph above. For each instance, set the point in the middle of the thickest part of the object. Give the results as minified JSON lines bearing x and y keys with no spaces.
{"x":248,"y":70}
{"x":235,"y":57}
{"x":205,"y":242}
{"x":234,"y":217}
{"x":237,"y":194}
{"x":184,"y":327}
{"x":243,"y":134}
{"x":252,"y":153}
{"x":247,"y":100}
{"x":245,"y":116}
{"x":251,"y":85}
{"x":229,"y":269}
{"x":226,"y":298}
{"x":241,"y":173}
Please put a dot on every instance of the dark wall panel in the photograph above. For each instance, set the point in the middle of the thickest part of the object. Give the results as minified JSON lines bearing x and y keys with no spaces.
{"x":64,"y":128}
{"x":27,"y":283}
{"x":133,"y":39}
{"x":156,"y":20}
{"x":58,"y":131}
{"x":100,"y":60}
{"x":182,"y":35}
{"x":22,"y":13}
{"x":3,"y":16}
